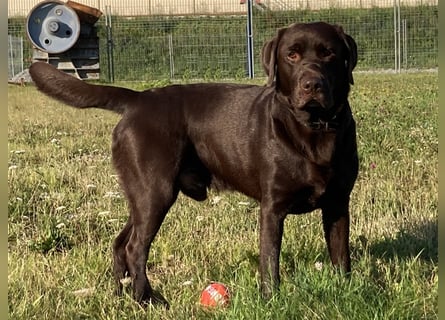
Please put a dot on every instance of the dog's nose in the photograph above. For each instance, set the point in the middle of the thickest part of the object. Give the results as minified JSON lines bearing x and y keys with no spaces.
{"x":311,"y":85}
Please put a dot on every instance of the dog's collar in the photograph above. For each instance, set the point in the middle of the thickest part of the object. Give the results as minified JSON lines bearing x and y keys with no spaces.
{"x":322,"y":125}
{"x":317,"y":124}
{"x":327,"y":125}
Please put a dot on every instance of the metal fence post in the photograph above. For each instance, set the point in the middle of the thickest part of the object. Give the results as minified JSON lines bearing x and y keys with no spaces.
{"x":15,"y":56}
{"x":11,"y":55}
{"x":171,"y":58}
{"x":397,"y":57}
{"x":249,"y":28}
{"x":405,"y":43}
{"x":109,"y":44}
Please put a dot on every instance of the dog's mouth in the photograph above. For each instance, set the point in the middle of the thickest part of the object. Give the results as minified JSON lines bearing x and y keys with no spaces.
{"x":313,"y":104}
{"x":317,"y":108}
{"x":321,"y":116}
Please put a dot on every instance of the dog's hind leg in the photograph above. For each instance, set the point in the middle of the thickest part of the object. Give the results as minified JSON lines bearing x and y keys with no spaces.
{"x":147,"y":211}
{"x":120,"y":268}
{"x":149,"y":200}
{"x":148,"y":173}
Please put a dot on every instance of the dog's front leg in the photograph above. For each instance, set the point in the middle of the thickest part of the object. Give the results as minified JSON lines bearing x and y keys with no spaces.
{"x":336,"y":230}
{"x":271,"y":232}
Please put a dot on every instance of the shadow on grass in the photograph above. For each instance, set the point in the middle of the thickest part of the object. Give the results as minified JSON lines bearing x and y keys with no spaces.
{"x":420,"y":240}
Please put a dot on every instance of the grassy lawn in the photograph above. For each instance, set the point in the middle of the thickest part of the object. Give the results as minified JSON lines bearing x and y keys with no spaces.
{"x":65,"y":208}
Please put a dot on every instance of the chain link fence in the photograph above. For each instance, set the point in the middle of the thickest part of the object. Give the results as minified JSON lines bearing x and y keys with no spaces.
{"x":190,"y":39}
{"x":15,"y":56}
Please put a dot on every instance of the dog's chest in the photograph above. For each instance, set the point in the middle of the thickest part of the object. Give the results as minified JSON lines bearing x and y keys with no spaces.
{"x":302,"y":183}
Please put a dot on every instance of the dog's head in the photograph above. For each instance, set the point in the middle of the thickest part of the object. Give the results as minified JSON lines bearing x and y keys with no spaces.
{"x":311,"y":65}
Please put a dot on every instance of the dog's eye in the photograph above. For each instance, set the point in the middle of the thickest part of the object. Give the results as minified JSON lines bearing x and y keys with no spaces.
{"x":326,"y":52}
{"x":293,"y":56}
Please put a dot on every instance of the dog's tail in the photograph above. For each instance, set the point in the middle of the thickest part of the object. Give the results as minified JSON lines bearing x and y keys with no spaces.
{"x":78,"y":93}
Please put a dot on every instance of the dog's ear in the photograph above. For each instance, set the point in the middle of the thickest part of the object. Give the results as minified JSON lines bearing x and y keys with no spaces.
{"x":351,"y":60}
{"x":268,"y":59}
{"x":269,"y":56}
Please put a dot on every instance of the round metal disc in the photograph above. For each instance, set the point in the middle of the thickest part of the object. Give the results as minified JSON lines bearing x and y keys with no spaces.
{"x":52,"y":26}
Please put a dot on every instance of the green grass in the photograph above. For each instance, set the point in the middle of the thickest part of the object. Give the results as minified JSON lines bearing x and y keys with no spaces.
{"x":65,"y":208}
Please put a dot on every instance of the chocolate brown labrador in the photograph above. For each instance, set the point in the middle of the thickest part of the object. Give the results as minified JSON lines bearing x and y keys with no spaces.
{"x":290,"y":144}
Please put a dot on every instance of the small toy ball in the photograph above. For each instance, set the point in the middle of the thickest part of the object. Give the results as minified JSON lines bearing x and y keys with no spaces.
{"x":215,"y":295}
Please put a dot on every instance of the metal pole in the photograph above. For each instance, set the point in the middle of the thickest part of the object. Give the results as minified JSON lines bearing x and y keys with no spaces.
{"x":109,"y":44}
{"x":398,"y":28}
{"x":170,"y":52}
{"x":395,"y":36}
{"x":11,"y":55}
{"x":21,"y":54}
{"x":250,"y":40}
{"x":405,"y":43}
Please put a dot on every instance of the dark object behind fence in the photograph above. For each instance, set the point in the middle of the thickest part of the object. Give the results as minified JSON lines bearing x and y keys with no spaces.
{"x":64,"y":35}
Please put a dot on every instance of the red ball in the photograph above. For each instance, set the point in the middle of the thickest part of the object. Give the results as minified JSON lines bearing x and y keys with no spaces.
{"x":215,"y":295}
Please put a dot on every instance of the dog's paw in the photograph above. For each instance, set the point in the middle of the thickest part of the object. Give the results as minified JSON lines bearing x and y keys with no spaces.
{"x":155,"y":299}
